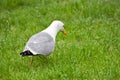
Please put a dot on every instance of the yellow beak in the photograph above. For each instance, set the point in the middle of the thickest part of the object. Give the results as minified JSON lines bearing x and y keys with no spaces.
{"x":64,"y":32}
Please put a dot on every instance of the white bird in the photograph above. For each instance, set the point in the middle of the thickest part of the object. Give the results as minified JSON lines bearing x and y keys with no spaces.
{"x":43,"y":42}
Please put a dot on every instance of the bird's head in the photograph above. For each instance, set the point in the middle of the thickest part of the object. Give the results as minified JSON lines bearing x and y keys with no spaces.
{"x":59,"y":26}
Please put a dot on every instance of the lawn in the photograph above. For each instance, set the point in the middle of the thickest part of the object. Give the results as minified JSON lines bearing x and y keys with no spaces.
{"x":90,"y":51}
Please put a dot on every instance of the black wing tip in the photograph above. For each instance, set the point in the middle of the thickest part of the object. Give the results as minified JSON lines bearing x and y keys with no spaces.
{"x":26,"y":53}
{"x":21,"y":54}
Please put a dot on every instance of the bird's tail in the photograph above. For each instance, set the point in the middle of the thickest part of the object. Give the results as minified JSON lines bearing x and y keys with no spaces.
{"x":26,"y":53}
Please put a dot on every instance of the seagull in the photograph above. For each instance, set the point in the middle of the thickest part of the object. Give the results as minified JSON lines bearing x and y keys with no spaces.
{"x":43,"y":43}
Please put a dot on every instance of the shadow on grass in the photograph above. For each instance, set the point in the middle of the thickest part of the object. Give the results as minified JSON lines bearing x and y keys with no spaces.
{"x":38,"y":62}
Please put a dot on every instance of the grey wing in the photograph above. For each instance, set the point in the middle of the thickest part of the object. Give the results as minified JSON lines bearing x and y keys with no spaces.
{"x":41,"y":43}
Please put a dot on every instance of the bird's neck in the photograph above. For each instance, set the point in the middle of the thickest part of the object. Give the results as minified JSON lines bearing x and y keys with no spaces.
{"x":52,"y":31}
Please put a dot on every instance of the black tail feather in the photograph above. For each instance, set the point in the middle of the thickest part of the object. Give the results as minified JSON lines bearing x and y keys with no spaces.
{"x":26,"y":53}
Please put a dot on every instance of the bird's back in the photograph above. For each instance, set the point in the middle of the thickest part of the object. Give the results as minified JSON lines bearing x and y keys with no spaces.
{"x":40,"y":43}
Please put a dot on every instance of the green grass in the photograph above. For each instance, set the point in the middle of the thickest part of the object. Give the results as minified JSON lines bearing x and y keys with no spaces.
{"x":90,"y":51}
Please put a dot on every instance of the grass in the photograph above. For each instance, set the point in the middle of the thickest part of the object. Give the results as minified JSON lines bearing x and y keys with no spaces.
{"x":90,"y":51}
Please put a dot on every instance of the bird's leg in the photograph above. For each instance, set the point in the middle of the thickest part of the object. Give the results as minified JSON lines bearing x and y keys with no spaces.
{"x":31,"y":60}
